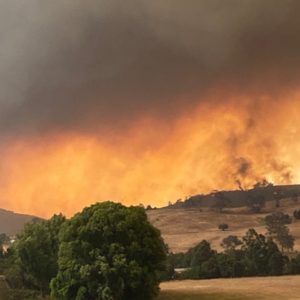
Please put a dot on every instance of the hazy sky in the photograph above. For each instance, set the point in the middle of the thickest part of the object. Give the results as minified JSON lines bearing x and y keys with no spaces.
{"x":145,"y":101}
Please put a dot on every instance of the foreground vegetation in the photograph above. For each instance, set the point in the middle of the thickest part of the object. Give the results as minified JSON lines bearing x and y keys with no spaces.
{"x":112,"y":252}
{"x":108,"y":251}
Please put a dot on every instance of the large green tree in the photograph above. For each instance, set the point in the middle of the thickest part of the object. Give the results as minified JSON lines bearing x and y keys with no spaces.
{"x":261,"y":255}
{"x":197,"y":255}
{"x":108,"y":251}
{"x":36,"y":251}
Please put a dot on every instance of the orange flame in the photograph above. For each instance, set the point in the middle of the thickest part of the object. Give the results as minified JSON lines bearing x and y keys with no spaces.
{"x":155,"y":162}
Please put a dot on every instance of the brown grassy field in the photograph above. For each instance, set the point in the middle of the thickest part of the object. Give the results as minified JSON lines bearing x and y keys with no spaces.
{"x":255,"y":288}
{"x":183,"y":228}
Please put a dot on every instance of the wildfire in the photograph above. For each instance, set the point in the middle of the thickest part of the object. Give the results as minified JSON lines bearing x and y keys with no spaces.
{"x":157,"y":161}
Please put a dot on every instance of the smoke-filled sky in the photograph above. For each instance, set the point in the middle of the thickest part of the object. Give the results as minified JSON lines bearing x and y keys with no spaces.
{"x":145,"y":101}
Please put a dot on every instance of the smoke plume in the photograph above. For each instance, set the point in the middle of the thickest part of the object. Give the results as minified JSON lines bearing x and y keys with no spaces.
{"x":145,"y":101}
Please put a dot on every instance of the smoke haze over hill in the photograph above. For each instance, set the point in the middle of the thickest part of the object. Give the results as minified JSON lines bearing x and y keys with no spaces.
{"x":142,"y":101}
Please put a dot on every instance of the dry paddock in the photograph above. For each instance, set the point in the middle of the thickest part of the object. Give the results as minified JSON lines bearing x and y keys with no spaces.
{"x":257,"y":288}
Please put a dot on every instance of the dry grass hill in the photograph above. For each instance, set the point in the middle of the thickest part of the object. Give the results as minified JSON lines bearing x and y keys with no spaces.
{"x":184,"y":228}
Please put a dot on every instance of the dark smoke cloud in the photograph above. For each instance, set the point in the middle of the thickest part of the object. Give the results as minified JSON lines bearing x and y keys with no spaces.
{"x":92,"y":65}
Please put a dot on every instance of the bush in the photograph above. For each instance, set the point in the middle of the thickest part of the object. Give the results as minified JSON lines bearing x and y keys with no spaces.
{"x":223,"y":226}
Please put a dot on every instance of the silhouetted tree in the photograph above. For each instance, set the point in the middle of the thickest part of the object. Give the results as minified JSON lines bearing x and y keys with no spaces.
{"x":149,"y":207}
{"x":286,"y":241}
{"x":262,"y":184}
{"x":278,"y":195}
{"x":255,"y":202}
{"x":276,"y":222}
{"x":297,"y":214}
{"x":221,"y":201}
{"x":223,"y":226}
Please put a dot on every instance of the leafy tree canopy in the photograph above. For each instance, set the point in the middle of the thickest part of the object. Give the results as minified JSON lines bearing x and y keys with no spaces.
{"x":108,"y":251}
{"x":261,"y":255}
{"x":276,"y":222}
{"x":36,"y":251}
{"x":230,"y":242}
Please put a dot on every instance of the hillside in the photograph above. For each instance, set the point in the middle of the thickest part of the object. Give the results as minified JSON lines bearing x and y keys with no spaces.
{"x":184,"y":228}
{"x":238,"y":198}
{"x":11,"y":223}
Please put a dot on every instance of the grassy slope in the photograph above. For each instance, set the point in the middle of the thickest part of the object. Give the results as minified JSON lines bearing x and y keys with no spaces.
{"x":182,"y":228}
{"x":257,"y":288}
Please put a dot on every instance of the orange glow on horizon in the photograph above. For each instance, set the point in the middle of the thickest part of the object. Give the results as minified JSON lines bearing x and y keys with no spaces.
{"x":155,"y":162}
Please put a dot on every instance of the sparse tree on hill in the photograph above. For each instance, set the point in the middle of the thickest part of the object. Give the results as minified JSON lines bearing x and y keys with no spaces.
{"x":255,"y":202}
{"x":278,"y":195}
{"x":221,"y":201}
{"x":276,"y":226}
{"x":276,"y":222}
{"x":223,"y":226}
{"x":262,"y":184}
{"x":286,"y":241}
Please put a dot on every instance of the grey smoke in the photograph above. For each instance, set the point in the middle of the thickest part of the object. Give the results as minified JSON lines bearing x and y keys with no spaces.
{"x":91,"y":66}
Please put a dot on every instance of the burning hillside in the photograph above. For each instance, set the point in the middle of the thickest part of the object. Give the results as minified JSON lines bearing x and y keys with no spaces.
{"x":145,"y":102}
